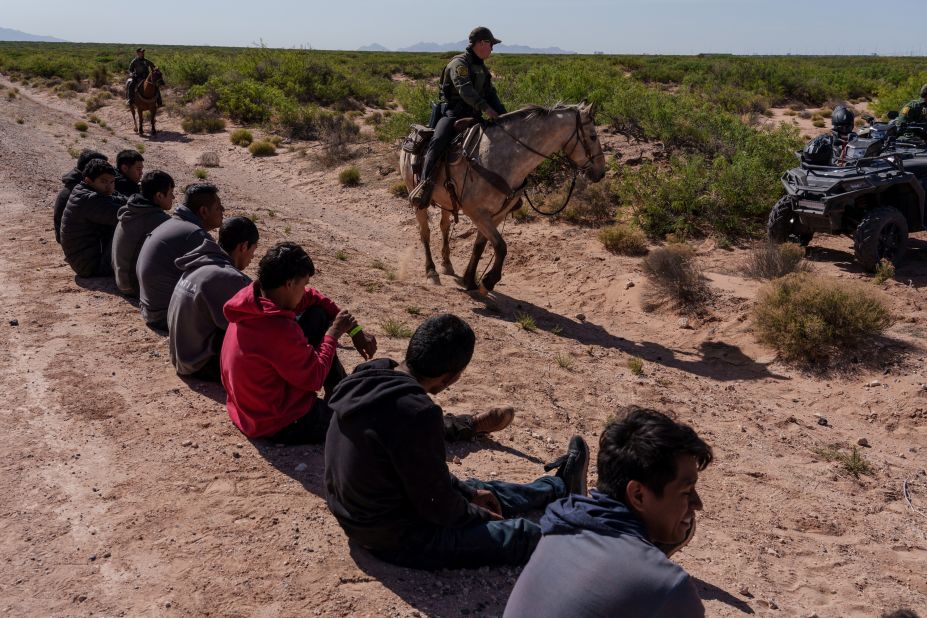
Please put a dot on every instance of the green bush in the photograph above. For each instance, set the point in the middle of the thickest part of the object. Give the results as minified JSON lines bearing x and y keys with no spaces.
{"x":262,"y":148}
{"x":241,"y":137}
{"x":81,"y":126}
{"x":811,"y":319}
{"x":349,"y":176}
{"x":624,"y":239}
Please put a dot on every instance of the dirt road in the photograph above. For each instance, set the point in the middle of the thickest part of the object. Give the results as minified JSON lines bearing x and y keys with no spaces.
{"x":126,"y":491}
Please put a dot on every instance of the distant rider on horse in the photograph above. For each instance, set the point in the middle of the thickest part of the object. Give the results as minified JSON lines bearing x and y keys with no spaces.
{"x":138,"y":71}
{"x":466,"y":92}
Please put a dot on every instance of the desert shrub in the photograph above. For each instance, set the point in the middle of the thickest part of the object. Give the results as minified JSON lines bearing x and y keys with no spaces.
{"x":201,"y":173}
{"x":96,"y":101}
{"x":884,"y":271}
{"x":525,"y":321}
{"x":100,"y":76}
{"x":202,"y":121}
{"x":262,"y":148}
{"x":809,"y":319}
{"x":81,"y":126}
{"x":396,"y":329}
{"x":851,"y":462}
{"x":415,"y":100}
{"x":590,"y":203}
{"x":624,"y":239}
{"x":337,"y":133}
{"x":675,"y":277}
{"x":636,"y":366}
{"x":241,"y":137}
{"x":349,"y":176}
{"x":768,"y":260}
{"x":399,"y":189}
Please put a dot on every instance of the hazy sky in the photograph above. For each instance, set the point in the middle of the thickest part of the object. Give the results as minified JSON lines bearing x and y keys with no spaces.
{"x":618,"y":26}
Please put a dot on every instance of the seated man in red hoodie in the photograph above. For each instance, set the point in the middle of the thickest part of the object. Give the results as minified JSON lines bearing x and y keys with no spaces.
{"x":279,"y":350}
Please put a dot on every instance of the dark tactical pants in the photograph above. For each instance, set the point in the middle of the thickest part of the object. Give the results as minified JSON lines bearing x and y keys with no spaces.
{"x":441,"y":140}
{"x":509,"y":541}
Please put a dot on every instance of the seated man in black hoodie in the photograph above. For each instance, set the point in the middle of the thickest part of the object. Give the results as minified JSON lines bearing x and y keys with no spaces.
{"x":157,"y":273}
{"x":70,"y":181}
{"x":130,"y":165}
{"x":89,"y":220}
{"x":137,"y":219}
{"x":608,"y":554}
{"x":386,"y":476}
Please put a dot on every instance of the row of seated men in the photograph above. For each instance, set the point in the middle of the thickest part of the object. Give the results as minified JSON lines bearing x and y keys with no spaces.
{"x":272,"y":342}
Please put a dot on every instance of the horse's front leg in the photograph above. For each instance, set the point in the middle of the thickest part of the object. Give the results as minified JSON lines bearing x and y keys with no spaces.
{"x":135,"y":125}
{"x":424,"y":230}
{"x":446,"y":266}
{"x":469,"y":278}
{"x":153,"y":112}
{"x":495,"y":273}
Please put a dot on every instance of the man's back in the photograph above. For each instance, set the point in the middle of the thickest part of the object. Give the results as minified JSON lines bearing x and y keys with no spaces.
{"x":69,"y":181}
{"x":138,"y":218}
{"x":385,"y":468}
{"x":156,"y":271}
{"x":87,"y":224}
{"x":594,"y":561}
{"x":195,"y":315}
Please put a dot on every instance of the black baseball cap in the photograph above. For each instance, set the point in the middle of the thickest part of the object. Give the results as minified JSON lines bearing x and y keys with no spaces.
{"x":482,"y":33}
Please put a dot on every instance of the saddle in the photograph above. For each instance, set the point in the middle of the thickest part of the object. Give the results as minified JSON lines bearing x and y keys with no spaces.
{"x":416,"y":142}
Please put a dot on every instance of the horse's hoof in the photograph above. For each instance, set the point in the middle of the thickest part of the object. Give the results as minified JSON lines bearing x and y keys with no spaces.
{"x":448,"y":269}
{"x":433,"y":278}
{"x":483,"y":290}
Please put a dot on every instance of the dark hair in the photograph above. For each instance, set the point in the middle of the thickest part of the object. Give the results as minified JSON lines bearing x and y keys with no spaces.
{"x":642,"y":445}
{"x":200,"y":194}
{"x":901,"y":613}
{"x":128,"y":157}
{"x":156,"y":181}
{"x":97,"y":168}
{"x":284,"y":262}
{"x":236,"y":230}
{"x":86,"y":156}
{"x":442,"y":344}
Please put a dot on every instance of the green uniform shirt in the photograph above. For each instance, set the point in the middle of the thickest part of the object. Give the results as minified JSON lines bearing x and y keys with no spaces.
{"x":466,"y":79}
{"x":914,"y":111}
{"x":140,"y":67}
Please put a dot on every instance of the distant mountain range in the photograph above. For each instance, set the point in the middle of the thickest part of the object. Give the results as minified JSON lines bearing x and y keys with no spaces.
{"x":460,"y":45}
{"x":8,"y":34}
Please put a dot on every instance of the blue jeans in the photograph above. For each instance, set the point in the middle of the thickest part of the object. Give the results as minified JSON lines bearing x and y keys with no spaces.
{"x":509,"y":541}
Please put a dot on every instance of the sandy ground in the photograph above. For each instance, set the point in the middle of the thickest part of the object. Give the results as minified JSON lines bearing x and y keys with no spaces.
{"x":126,"y":491}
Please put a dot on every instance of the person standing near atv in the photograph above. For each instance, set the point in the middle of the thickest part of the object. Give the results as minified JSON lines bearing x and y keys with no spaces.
{"x":831,"y":148}
{"x":138,"y":72}
{"x":913,"y":111}
{"x":467,"y":92}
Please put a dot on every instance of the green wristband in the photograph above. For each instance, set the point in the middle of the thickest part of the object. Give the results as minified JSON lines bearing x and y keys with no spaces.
{"x":355,"y":330}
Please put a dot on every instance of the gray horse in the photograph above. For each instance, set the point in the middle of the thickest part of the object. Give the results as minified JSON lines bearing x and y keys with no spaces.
{"x":510,"y":148}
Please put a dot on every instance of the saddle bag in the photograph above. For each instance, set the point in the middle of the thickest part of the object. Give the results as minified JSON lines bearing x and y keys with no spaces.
{"x":417,"y":140}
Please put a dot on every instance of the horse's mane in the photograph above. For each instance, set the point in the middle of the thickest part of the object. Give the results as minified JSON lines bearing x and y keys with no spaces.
{"x":531,"y":110}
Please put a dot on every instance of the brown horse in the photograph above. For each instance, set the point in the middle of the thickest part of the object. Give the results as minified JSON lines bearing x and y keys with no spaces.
{"x":511,"y":148}
{"x":145,"y":98}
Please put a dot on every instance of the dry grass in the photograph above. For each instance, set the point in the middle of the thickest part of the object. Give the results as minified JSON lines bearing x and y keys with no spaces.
{"x":675,"y":277}
{"x":525,"y":322}
{"x":624,"y":239}
{"x":241,"y":137}
{"x":262,"y":148}
{"x":885,"y":270}
{"x":349,"y":176}
{"x":399,"y":189}
{"x":852,"y":462}
{"x":81,"y":126}
{"x":811,"y":319}
{"x":636,"y":366}
{"x":770,"y":261}
{"x":396,"y":329}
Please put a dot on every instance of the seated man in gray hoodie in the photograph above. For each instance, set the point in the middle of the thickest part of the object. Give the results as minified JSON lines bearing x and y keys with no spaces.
{"x":608,"y":554}
{"x":89,"y":220}
{"x":187,"y":229}
{"x":143,"y":213}
{"x":211,"y":276}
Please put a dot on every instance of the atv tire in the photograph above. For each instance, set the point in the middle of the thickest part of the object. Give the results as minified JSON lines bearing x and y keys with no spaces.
{"x":882,"y":234}
{"x":783,"y":225}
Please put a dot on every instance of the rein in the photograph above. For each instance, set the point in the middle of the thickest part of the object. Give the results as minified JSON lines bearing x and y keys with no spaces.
{"x":148,"y":81}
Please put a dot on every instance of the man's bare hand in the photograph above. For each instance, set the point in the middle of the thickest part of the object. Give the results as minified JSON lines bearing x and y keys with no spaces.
{"x":342,"y":323}
{"x":487,"y":500}
{"x":365,"y":344}
{"x":493,"y":114}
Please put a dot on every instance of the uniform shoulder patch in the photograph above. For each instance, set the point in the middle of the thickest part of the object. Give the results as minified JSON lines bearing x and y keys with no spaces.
{"x":462,"y":71}
{"x":905,"y":110}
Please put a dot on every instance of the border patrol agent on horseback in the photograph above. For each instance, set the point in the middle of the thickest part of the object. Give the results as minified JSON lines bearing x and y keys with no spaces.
{"x":914,"y":111}
{"x":138,"y":71}
{"x":466,"y":92}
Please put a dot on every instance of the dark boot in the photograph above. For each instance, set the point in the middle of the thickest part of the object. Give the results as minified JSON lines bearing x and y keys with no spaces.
{"x":573,"y":466}
{"x":421,"y":194}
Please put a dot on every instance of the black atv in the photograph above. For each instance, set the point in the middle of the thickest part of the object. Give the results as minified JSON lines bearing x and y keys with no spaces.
{"x":876,"y":196}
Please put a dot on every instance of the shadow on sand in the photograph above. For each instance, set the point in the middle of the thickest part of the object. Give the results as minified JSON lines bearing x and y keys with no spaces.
{"x":710,"y":592}
{"x":714,"y":359}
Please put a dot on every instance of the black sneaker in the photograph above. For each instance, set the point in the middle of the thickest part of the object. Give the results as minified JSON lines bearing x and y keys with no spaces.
{"x":573,"y":467}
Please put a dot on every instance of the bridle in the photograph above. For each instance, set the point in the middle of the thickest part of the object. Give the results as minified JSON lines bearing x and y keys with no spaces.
{"x":578,"y":134}
{"x":577,"y":137}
